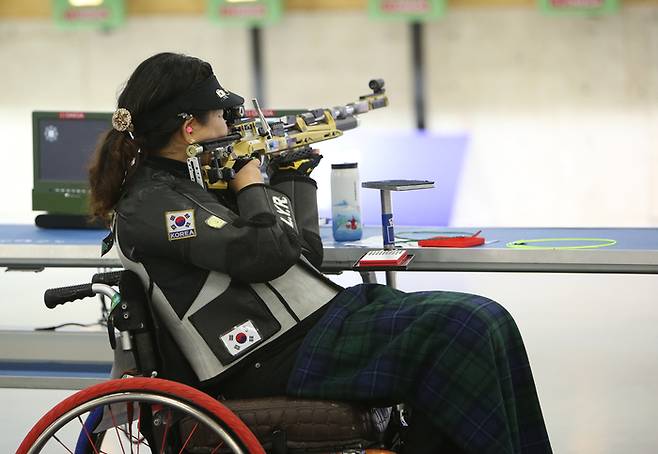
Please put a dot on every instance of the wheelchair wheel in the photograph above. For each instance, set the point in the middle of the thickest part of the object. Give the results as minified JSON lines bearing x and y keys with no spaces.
{"x":145,"y":415}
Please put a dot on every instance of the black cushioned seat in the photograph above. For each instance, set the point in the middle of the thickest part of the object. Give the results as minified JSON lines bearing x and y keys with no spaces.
{"x":305,"y":425}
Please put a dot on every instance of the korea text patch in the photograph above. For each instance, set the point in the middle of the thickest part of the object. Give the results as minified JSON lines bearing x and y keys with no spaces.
{"x":180,"y":224}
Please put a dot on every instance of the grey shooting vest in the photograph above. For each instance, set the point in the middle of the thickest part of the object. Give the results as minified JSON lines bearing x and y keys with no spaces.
{"x":217,"y":331}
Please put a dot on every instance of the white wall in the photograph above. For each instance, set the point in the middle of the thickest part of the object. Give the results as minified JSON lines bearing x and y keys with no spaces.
{"x":562,"y":114}
{"x":560,"y":109}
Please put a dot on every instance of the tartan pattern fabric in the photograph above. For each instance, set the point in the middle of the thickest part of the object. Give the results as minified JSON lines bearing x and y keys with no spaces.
{"x":454,"y":356}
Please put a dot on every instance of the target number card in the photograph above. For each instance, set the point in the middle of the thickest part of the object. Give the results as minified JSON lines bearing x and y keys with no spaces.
{"x":384,"y":257}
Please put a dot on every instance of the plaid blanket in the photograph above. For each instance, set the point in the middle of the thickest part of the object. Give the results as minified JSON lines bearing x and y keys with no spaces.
{"x":454,"y":356}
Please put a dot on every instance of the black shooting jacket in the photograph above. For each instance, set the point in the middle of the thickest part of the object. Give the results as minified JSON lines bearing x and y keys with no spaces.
{"x":228,"y":275}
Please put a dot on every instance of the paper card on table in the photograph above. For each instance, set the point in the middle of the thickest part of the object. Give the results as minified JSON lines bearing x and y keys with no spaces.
{"x":383,"y":257}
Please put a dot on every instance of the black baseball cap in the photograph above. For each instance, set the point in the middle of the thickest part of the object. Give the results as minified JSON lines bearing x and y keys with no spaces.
{"x":207,"y":95}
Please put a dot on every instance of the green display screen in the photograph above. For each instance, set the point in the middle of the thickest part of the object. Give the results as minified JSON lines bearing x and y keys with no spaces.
{"x":63,"y":143}
{"x":412,"y":10}
{"x":88,"y":13}
{"x":579,"y":6}
{"x":244,"y":12}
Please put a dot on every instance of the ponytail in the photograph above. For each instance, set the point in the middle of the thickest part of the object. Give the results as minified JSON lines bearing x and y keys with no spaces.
{"x":156,"y":81}
{"x":113,"y":162}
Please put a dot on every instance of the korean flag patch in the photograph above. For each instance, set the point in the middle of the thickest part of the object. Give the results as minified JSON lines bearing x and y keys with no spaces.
{"x":240,"y":338}
{"x":180,"y":224}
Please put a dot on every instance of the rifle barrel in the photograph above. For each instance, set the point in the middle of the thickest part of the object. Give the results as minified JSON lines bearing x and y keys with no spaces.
{"x":221,"y":142}
{"x":345,"y":124}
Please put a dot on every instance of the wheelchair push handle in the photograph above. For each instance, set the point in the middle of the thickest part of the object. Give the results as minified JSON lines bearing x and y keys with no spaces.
{"x":55,"y":296}
{"x":110,"y":278}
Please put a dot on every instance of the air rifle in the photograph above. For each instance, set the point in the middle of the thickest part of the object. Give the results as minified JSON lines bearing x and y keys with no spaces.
{"x":252,"y":134}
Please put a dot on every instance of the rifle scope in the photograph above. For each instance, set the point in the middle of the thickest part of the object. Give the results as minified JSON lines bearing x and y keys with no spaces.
{"x":377,"y":85}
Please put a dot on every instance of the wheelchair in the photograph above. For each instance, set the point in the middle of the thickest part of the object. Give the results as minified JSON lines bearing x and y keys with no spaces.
{"x":141,"y":413}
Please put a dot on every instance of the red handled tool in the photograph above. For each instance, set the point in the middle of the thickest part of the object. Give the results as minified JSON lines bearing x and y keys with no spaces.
{"x":453,"y":241}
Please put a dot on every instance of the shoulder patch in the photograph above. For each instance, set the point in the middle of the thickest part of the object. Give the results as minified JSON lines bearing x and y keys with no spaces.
{"x":180,"y":224}
{"x":215,"y":222}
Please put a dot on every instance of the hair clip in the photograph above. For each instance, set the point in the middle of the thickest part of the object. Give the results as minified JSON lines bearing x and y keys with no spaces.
{"x":184,"y":116}
{"x":122,"y":120}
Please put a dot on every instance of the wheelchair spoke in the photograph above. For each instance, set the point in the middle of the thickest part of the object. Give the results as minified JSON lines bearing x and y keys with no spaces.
{"x":116,"y":428}
{"x":63,"y":445}
{"x":166,"y":429}
{"x":130,"y":410}
{"x":221,"y":443}
{"x":88,"y":435}
{"x":188,"y":438}
{"x":135,"y":439}
{"x":139,"y":430}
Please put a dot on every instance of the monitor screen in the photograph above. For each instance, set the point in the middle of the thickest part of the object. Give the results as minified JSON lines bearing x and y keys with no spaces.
{"x":66,"y":146}
{"x":63,"y":143}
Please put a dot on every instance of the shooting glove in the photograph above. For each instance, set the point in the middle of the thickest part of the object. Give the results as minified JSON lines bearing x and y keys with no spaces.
{"x":300,"y":162}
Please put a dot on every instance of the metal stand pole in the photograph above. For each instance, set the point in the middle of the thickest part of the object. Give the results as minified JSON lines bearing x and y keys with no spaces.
{"x":418,"y":67}
{"x":388,"y":231}
{"x":257,"y":64}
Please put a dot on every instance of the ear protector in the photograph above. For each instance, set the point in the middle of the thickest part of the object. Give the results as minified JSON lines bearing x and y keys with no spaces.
{"x":189,"y":129}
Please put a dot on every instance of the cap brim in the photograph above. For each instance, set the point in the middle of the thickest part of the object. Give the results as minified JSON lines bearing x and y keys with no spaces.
{"x":208,"y":95}
{"x":232,"y":100}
